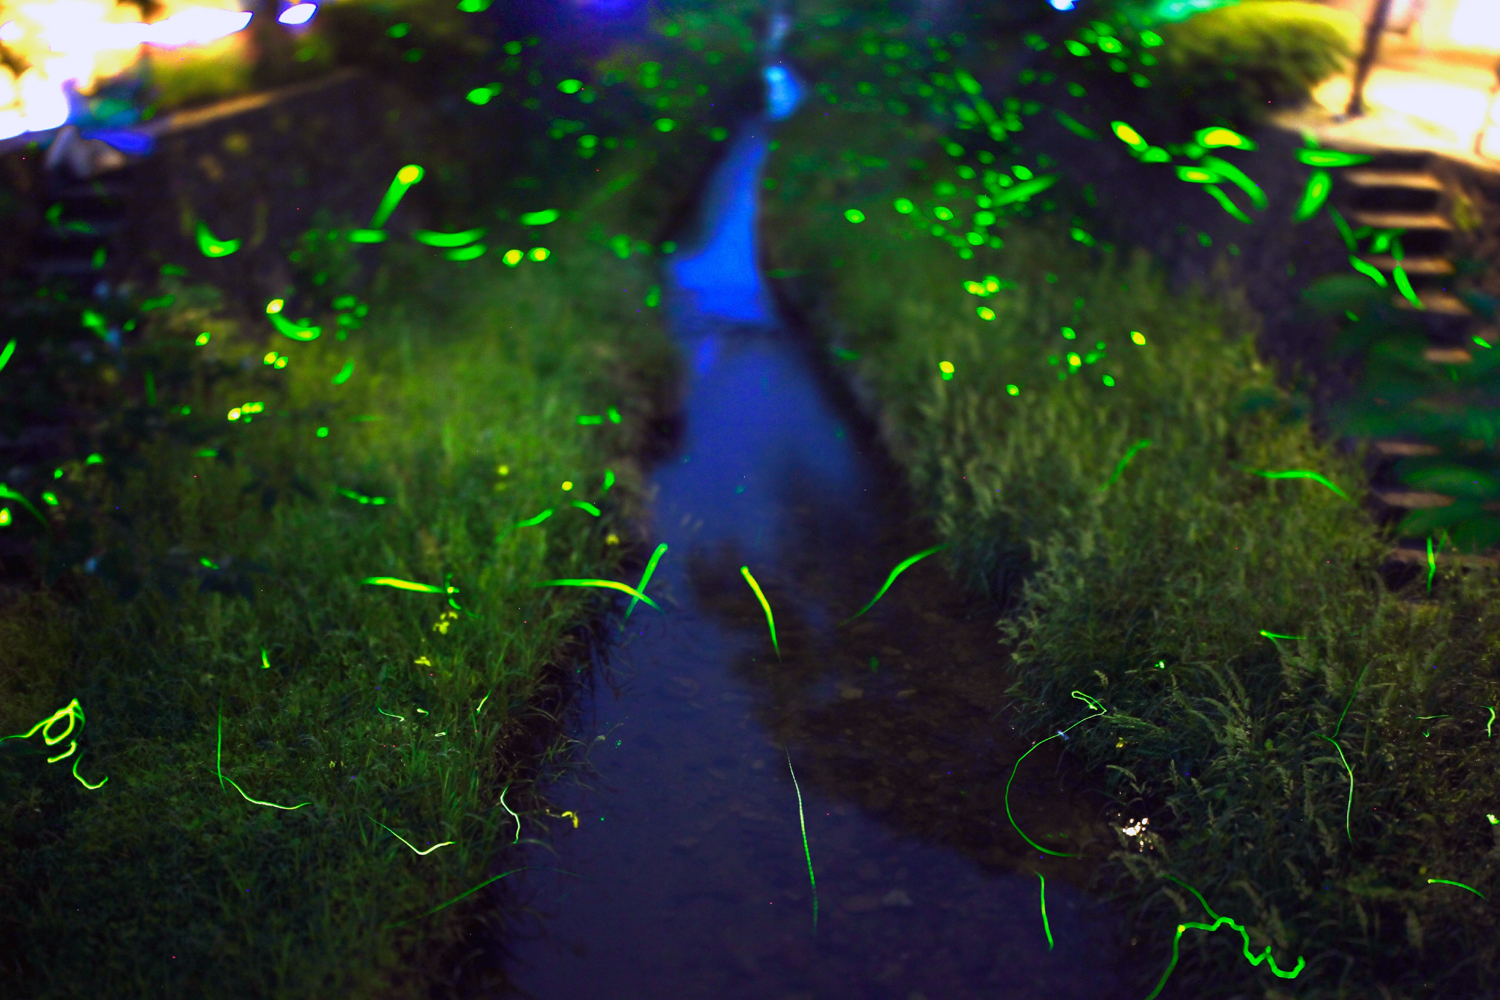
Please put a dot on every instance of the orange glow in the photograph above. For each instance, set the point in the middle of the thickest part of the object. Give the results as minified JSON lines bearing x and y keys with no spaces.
{"x":86,"y":41}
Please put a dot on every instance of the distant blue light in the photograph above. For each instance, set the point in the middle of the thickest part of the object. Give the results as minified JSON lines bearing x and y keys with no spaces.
{"x":783,"y":93}
{"x":1062,"y":4}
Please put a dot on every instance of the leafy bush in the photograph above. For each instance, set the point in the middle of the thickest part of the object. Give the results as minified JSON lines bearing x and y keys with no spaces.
{"x":1234,"y":64}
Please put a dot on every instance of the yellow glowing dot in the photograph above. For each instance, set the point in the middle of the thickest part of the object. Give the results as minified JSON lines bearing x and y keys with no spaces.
{"x":611,"y":539}
{"x":5,"y":517}
{"x":275,"y":306}
{"x":504,"y":470}
{"x":1120,"y":742}
{"x":568,"y":485}
{"x":512,"y":257}
{"x":1074,"y":360}
{"x":991,"y":285}
{"x":270,"y":359}
{"x":1138,"y":337}
{"x":985,"y":313}
{"x":973,"y":288}
{"x":1014,"y":390}
{"x":281,"y":362}
{"x":539,"y":253}
{"x":409,"y":174}
{"x":202,"y":339}
{"x":234,"y":414}
{"x":946,"y":367}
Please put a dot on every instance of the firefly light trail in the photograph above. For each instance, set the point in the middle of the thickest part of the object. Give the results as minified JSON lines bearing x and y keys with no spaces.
{"x":1120,"y":468}
{"x":1099,"y":710}
{"x":408,"y":843}
{"x":1350,"y":807}
{"x":512,"y":812}
{"x":803,"y":820}
{"x":770,"y":621}
{"x":1434,"y":881}
{"x":611,"y":584}
{"x":900,"y":568}
{"x":1300,"y":474}
{"x":661,"y":550}
{"x":1045,"y":925}
{"x":405,"y":178}
{"x":219,"y":766}
{"x":391,"y":581}
{"x":1219,"y":921}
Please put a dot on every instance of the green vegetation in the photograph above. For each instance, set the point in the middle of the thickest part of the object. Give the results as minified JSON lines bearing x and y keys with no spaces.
{"x":1309,"y":787}
{"x":246,"y":560}
{"x":235,"y":477}
{"x":1236,"y":63}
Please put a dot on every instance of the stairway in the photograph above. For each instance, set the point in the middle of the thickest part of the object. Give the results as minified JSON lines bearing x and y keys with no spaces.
{"x":1397,"y":190}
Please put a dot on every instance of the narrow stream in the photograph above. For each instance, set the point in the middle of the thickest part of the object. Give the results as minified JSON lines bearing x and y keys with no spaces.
{"x":688,"y":871}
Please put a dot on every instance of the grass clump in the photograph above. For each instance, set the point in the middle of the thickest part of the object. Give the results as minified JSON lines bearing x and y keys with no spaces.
{"x":223,"y":587}
{"x":1153,"y":591}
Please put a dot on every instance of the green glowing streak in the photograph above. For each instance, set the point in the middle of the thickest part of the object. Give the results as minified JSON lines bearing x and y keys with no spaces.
{"x":512,"y":812}
{"x":745,"y":572}
{"x":1350,"y":807}
{"x":265,"y":661}
{"x":432,"y":239}
{"x":1075,"y":126}
{"x":1488,"y":733}
{"x":1238,"y":178}
{"x":611,"y":584}
{"x":391,"y":581}
{"x":1214,"y":138}
{"x":1022,"y":192}
{"x":405,"y":178}
{"x":219,"y":766}
{"x":1348,"y":234}
{"x":1142,"y":443}
{"x":1434,"y":717}
{"x":470,"y":892}
{"x":467,"y":253}
{"x":85,"y":784}
{"x":585,"y":505}
{"x":590,"y":420}
{"x":1319,"y":185}
{"x":1219,"y":922}
{"x":661,"y":550}
{"x":72,"y":711}
{"x":542,"y":218}
{"x":1330,"y":158}
{"x":211,"y":247}
{"x":900,"y":568}
{"x":1444,"y":881}
{"x":1403,"y":285}
{"x":398,"y":718}
{"x":408,"y":843}
{"x":11,"y":494}
{"x":1431,"y":564}
{"x":1100,"y":710}
{"x":534,"y":521}
{"x":344,"y":373}
{"x":72,"y":747}
{"x":293,"y":330}
{"x":260,"y":803}
{"x":366,"y":236}
{"x":1045,"y":925}
{"x":803,"y":820}
{"x":10,"y":349}
{"x":1368,"y":271}
{"x":609,"y":479}
{"x":1345,"y":712}
{"x":1224,"y":202}
{"x":1273,"y":636}
{"x":1299,"y":474}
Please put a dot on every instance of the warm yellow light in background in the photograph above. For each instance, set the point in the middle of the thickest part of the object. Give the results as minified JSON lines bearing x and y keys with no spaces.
{"x":1476,"y":24}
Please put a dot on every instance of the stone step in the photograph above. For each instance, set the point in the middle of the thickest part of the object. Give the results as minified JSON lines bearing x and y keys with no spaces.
{"x":1412,"y":499}
{"x":1437,"y":303}
{"x":1367,"y":179}
{"x":1413,"y":266}
{"x":1409,"y":221}
{"x":1447,"y":355}
{"x":1401,"y":449}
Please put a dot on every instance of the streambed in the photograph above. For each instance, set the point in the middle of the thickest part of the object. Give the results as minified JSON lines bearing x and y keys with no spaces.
{"x":687,"y":874}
